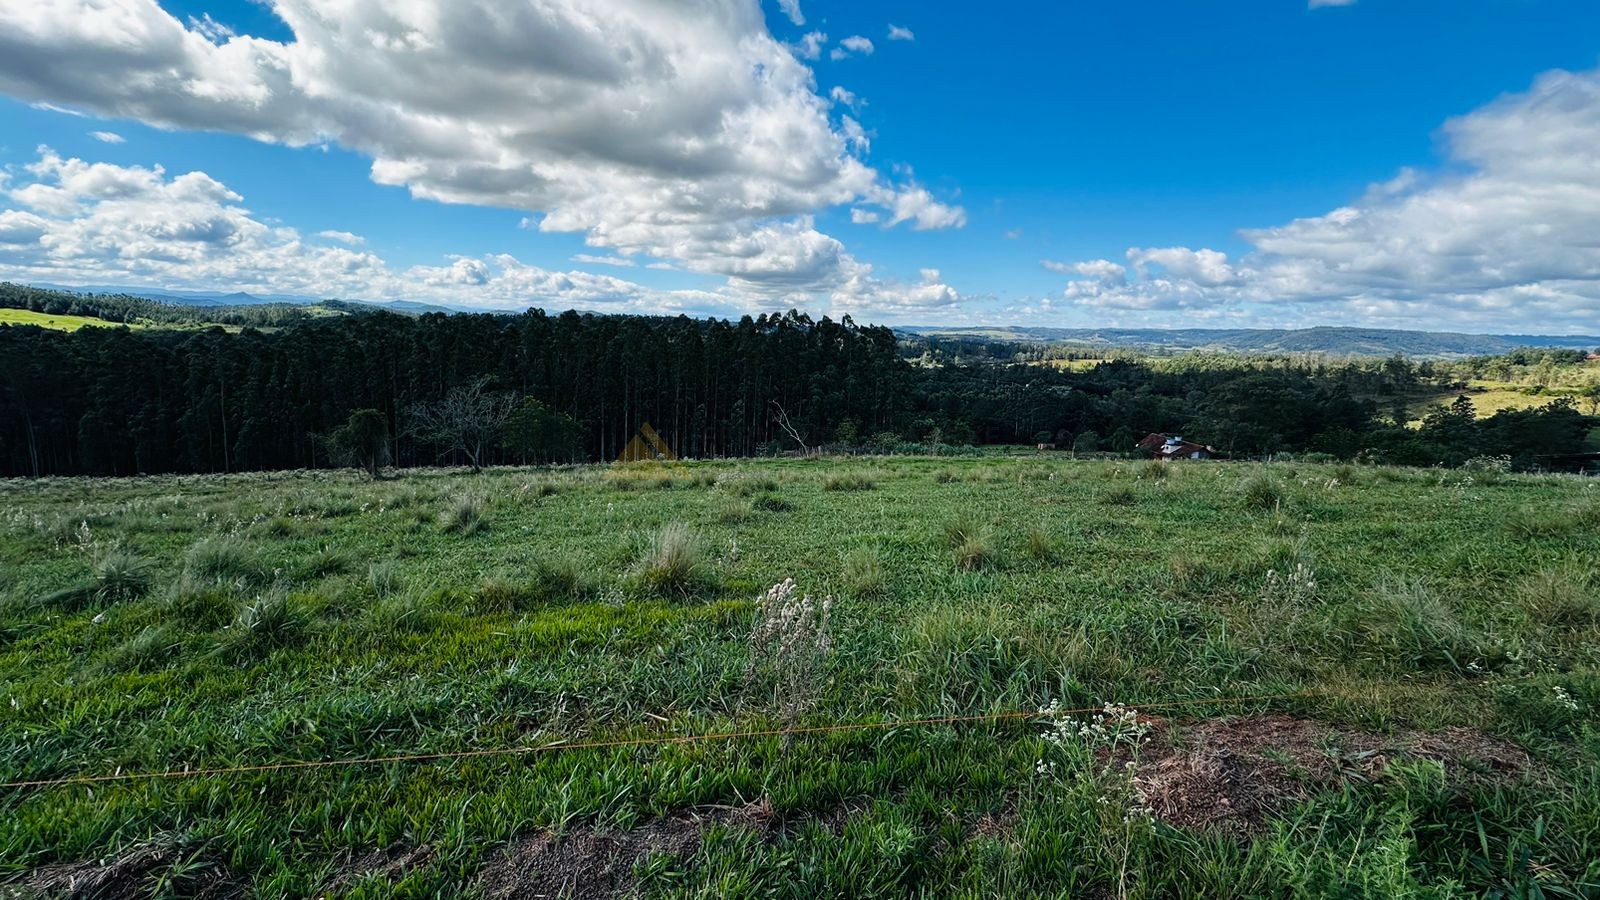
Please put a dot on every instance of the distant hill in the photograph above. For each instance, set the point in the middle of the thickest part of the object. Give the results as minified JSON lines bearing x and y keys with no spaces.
{"x":242,"y":298}
{"x":1324,"y":339}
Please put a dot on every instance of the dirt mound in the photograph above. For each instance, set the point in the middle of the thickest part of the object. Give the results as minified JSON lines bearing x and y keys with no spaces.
{"x":1231,"y":774}
{"x":585,"y":863}
{"x":128,"y":875}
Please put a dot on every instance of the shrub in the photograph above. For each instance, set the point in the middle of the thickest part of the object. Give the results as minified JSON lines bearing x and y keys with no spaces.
{"x":946,"y":476}
{"x":847,"y":481}
{"x":120,"y":576}
{"x":674,"y":563}
{"x":1260,"y":491}
{"x":863,"y":573}
{"x":1153,"y":469}
{"x":463,"y":515}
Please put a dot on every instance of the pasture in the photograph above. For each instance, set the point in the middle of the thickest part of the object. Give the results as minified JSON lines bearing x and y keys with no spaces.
{"x":1323,"y":679}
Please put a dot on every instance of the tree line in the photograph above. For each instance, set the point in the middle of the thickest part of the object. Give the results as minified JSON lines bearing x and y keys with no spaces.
{"x":493,"y":389}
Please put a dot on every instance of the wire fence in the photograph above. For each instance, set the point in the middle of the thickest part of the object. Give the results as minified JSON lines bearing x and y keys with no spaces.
{"x":652,"y":741}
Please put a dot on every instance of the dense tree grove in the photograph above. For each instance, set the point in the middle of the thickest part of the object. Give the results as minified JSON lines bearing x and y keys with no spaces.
{"x":114,"y":401}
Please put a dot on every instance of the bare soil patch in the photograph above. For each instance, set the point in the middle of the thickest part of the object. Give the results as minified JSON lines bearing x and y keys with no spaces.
{"x":584,"y":863}
{"x":1231,"y":774}
{"x":131,"y":874}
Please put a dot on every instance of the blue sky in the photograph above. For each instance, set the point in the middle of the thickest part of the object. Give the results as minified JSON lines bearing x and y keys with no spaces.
{"x":1258,"y":162}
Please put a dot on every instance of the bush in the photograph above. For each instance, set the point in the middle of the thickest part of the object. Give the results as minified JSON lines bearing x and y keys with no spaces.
{"x":1153,"y":469}
{"x":463,"y":515}
{"x":674,"y":563}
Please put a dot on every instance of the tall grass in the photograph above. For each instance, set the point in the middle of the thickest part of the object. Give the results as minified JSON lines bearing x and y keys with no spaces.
{"x":675,"y":561}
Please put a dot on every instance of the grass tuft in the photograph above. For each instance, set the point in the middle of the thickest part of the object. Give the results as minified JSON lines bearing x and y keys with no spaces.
{"x":1261,"y":491}
{"x":464,"y":514}
{"x":675,"y":561}
{"x":863,"y":573}
{"x":847,"y":481}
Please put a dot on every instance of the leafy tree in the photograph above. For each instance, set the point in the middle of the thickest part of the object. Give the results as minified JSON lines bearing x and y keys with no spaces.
{"x":535,"y":432}
{"x":363,"y":440}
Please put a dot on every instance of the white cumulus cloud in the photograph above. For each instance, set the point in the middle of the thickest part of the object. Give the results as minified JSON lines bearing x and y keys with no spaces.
{"x":1501,"y":238}
{"x":681,"y":132}
{"x":855,"y":44}
{"x":896,"y":33}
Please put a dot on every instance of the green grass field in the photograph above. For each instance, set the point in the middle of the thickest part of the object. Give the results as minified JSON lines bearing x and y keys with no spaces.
{"x":1423,"y":647}
{"x":10,"y":316}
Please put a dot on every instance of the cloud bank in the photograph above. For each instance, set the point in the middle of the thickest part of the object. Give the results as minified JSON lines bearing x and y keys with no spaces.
{"x":680,"y":133}
{"x":1505,"y":232}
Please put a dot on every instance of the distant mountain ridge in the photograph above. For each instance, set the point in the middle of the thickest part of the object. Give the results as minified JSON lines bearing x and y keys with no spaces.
{"x":1320,"y":339}
{"x":243,"y":298}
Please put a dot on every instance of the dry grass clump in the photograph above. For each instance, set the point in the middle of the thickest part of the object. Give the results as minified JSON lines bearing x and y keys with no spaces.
{"x":789,"y":646}
{"x":675,"y":561}
{"x":1153,"y":469}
